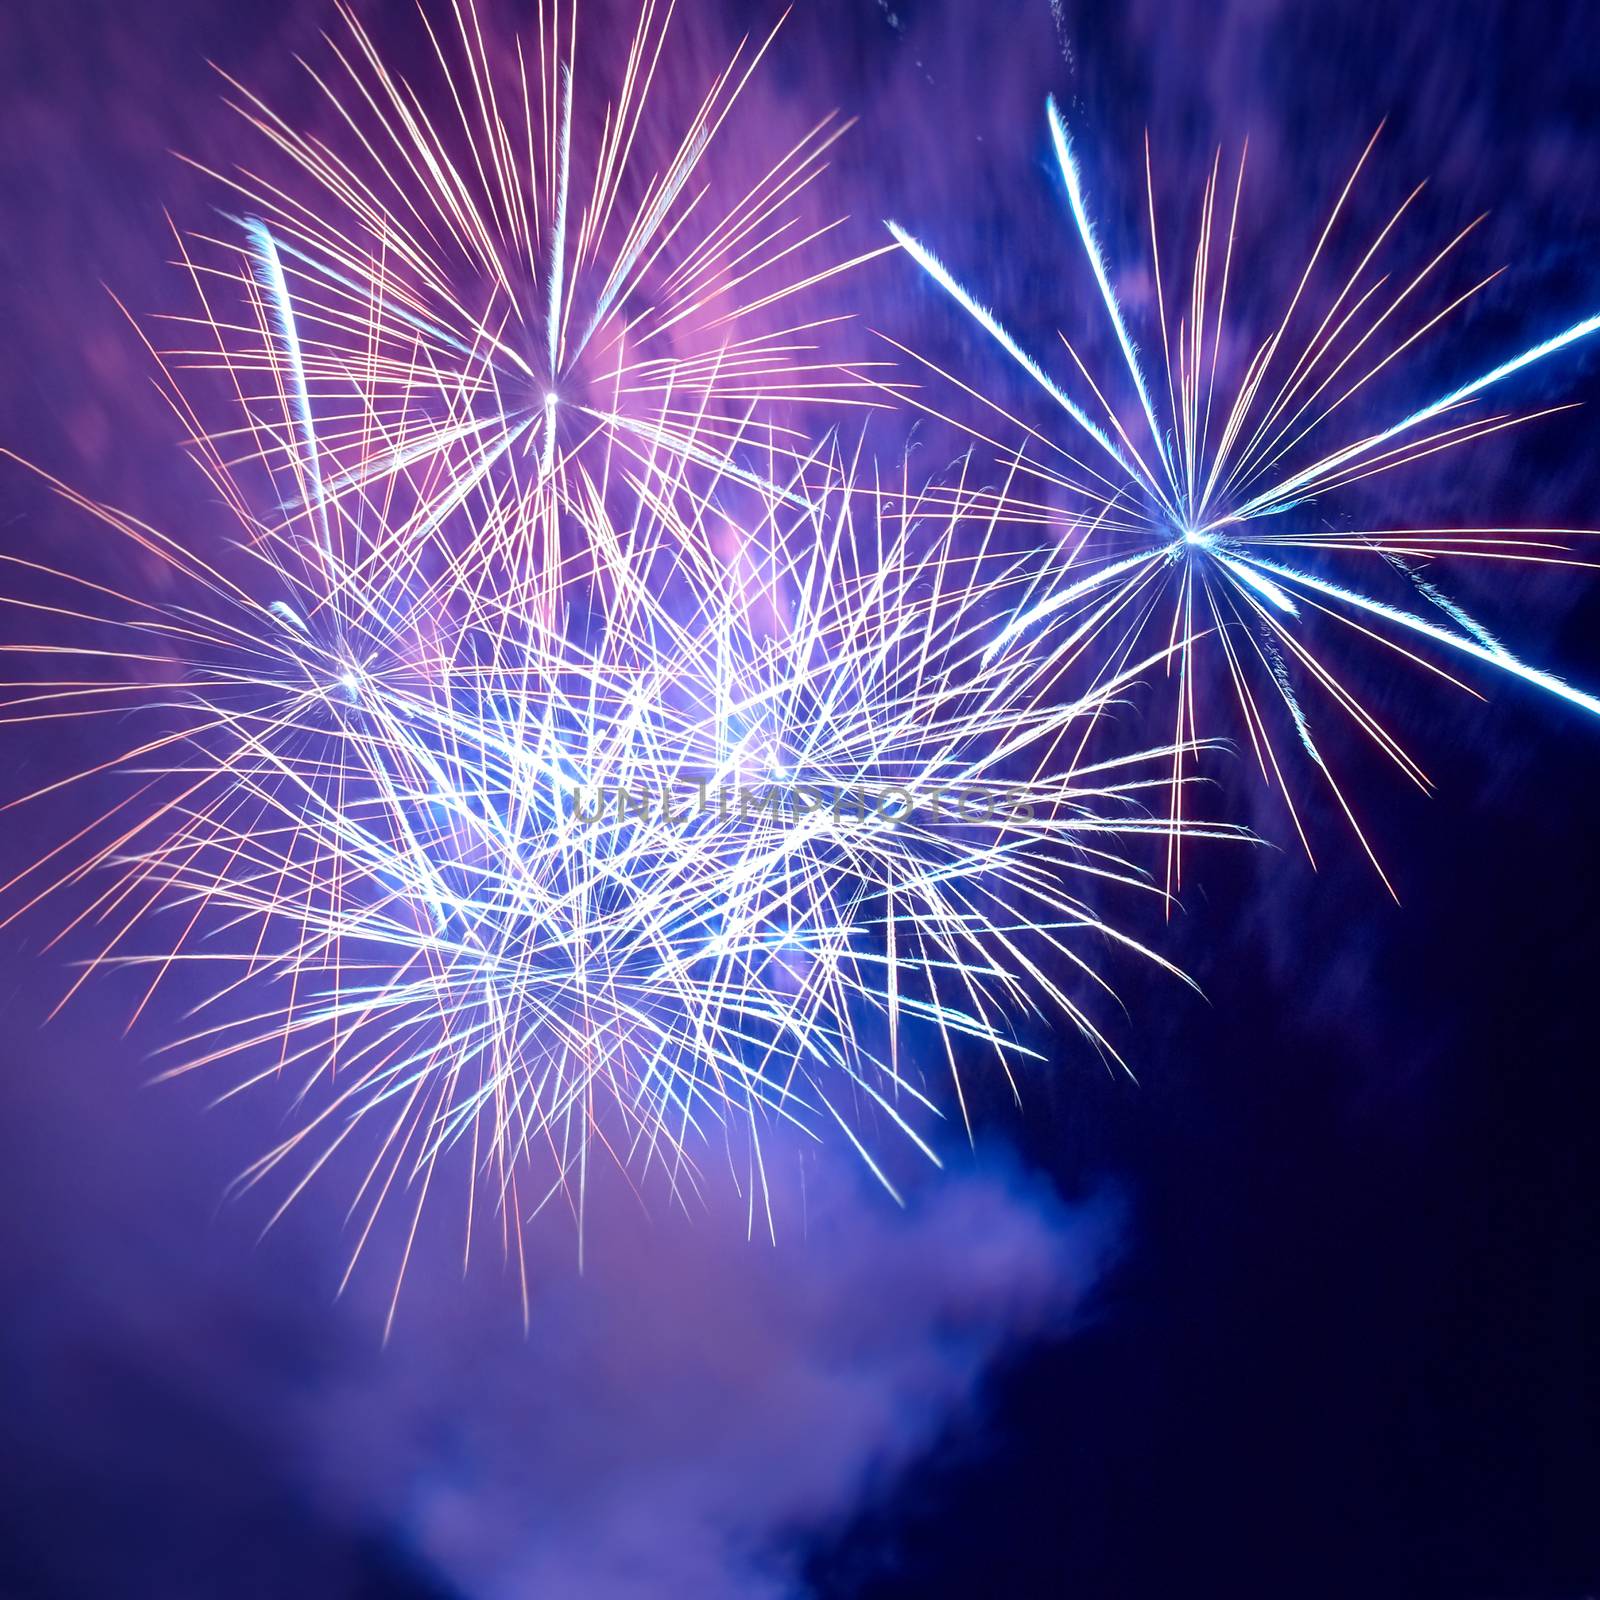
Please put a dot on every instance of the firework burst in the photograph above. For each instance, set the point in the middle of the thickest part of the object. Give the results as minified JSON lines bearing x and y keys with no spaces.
{"x":1191,"y":519}
{"x":513,"y":278}
{"x":648,"y":879}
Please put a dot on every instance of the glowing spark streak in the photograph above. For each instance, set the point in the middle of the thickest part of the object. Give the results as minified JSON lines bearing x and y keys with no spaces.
{"x":940,"y":274}
{"x":1579,"y":330}
{"x":656,"y":216}
{"x":269,"y":273}
{"x":547,"y":466}
{"x":334,"y":275}
{"x":1074,"y":591}
{"x":434,"y":443}
{"x":291,"y":618}
{"x":1265,"y":588}
{"x":1468,"y":646}
{"x":462,"y":485}
{"x":1538,"y":352}
{"x":686,"y":447}
{"x":1460,"y":617}
{"x":1280,"y":676}
{"x":558,"y":248}
{"x":1080,"y":215}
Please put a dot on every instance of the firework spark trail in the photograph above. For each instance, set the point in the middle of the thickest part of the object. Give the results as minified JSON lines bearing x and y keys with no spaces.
{"x":1208,"y":539}
{"x":510,"y":275}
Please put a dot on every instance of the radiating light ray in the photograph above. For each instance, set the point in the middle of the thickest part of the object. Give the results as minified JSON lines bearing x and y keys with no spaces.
{"x":1473,"y":643}
{"x":1330,"y":464}
{"x":1069,"y":171}
{"x":986,"y":319}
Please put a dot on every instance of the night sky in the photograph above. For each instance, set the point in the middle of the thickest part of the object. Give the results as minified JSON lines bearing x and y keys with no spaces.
{"x":1310,"y":1308}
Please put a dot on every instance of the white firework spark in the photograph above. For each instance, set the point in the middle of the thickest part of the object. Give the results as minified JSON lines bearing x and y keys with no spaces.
{"x":510,"y":277}
{"x":689,"y":859}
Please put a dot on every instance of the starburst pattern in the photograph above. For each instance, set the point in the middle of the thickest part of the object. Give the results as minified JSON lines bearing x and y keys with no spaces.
{"x":1201,"y":519}
{"x":514,"y":274}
